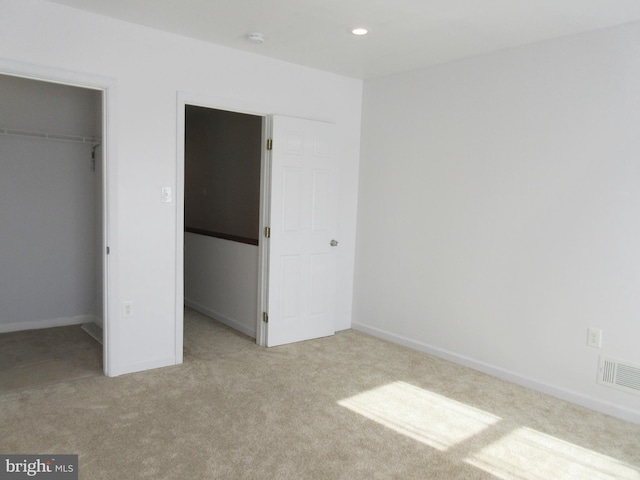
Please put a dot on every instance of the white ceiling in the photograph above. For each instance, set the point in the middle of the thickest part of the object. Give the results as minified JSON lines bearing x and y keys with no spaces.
{"x":404,"y":34}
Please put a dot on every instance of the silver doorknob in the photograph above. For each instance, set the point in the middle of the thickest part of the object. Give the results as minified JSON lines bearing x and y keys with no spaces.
{"x":334,"y":243}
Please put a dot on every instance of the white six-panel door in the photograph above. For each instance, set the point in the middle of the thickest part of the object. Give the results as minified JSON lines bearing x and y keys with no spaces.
{"x":303,"y":220}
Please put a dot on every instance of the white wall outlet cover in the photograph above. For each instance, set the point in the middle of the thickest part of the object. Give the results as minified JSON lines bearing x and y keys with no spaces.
{"x":594,"y":337}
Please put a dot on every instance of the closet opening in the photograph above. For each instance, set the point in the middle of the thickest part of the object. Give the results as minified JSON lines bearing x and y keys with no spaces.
{"x":52,"y":240}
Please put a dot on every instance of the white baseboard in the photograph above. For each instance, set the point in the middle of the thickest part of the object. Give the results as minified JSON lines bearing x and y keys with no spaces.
{"x":583,"y":400}
{"x":230,"y":322}
{"x":94,"y":330}
{"x":46,"y":323}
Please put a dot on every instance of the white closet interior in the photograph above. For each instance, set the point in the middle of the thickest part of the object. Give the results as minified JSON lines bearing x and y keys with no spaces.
{"x":51,"y":178}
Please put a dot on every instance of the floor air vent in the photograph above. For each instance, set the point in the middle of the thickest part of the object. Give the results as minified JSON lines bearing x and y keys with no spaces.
{"x":620,"y":375}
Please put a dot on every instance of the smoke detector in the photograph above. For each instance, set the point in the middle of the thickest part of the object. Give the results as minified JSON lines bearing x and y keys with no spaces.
{"x":255,"y":37}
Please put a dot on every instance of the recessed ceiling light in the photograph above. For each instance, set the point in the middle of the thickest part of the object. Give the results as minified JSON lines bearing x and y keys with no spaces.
{"x":359,"y":31}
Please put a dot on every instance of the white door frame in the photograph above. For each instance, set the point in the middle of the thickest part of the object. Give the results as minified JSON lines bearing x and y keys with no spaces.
{"x":108,"y":88}
{"x":230,"y":105}
{"x":265,"y":221}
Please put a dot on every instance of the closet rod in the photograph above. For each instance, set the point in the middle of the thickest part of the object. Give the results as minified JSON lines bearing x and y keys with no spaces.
{"x":49,"y":136}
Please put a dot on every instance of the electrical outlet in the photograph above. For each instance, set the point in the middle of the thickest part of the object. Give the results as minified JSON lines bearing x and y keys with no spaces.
{"x":594,"y":337}
{"x":127,"y":309}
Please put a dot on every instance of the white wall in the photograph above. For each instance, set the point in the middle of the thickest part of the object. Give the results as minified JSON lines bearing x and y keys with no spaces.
{"x":221,"y":280}
{"x":147,"y":69}
{"x":48,"y":203}
{"x":499,"y":212}
{"x":48,"y":107}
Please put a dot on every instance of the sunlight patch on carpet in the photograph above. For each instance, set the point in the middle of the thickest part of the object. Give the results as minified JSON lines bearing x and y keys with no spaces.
{"x":527,"y":454}
{"x":430,"y":418}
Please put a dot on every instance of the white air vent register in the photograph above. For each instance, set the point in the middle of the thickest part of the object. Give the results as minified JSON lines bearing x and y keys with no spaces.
{"x":620,"y":375}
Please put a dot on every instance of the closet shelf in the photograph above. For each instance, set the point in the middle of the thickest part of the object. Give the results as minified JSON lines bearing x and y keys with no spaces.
{"x":49,"y":136}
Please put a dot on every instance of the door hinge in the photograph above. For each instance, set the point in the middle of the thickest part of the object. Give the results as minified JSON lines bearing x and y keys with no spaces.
{"x":269,"y":144}
{"x":265,"y":317}
{"x":108,"y":250}
{"x":267,"y":232}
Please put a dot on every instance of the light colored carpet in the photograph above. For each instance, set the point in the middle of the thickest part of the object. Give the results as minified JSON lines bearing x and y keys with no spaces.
{"x":349,"y":406}
{"x":36,"y":358}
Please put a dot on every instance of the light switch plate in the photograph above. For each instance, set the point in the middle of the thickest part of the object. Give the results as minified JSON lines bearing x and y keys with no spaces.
{"x":166,"y":195}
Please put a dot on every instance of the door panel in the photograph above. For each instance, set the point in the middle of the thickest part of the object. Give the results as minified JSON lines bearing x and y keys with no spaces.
{"x":303,"y":217}
{"x":320,"y":221}
{"x":320,"y":269}
{"x":291,"y":200}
